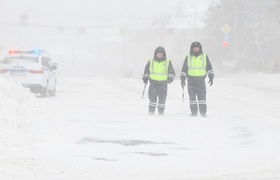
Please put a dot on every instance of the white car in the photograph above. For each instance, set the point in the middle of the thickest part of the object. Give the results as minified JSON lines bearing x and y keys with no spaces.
{"x":32,"y":69}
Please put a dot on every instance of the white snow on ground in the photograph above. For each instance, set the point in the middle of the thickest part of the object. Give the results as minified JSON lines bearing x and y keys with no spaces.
{"x":14,"y":102}
{"x":100,"y":129}
{"x":15,"y":135}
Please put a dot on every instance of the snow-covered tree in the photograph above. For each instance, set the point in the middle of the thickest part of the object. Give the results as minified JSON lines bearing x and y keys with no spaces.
{"x":253,"y":36}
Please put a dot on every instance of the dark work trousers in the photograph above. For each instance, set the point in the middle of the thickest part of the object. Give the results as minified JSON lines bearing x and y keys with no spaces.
{"x":197,"y":95}
{"x":157,"y":96}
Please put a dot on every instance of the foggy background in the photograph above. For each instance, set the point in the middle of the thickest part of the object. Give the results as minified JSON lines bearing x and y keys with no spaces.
{"x":98,"y":127}
{"x":117,"y":38}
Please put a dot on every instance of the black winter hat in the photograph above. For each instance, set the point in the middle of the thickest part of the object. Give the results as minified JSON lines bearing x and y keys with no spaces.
{"x":196,"y":44}
{"x":160,"y":49}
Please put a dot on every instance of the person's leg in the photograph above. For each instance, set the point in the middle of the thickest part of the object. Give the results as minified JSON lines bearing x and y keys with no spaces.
{"x":153,"y":98}
{"x":162,"y":92}
{"x":192,"y":97}
{"x":201,"y":96}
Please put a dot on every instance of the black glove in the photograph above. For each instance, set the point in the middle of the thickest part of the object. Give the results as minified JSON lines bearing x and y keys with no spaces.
{"x":183,"y":83}
{"x":170,"y":80}
{"x":145,"y":79}
{"x":210,"y":81}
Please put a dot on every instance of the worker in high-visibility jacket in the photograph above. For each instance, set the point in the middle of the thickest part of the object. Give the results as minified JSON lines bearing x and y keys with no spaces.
{"x":195,"y":69}
{"x":160,"y":72}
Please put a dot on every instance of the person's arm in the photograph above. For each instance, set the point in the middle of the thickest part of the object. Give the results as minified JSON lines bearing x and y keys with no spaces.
{"x":147,"y":69}
{"x":184,"y":72}
{"x":171,"y":69}
{"x":185,"y":69}
{"x":171,"y":73}
{"x":209,"y":71}
{"x":146,"y":74}
{"x":209,"y":68}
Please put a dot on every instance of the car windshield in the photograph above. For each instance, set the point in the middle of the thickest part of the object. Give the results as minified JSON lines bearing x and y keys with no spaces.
{"x":22,"y":60}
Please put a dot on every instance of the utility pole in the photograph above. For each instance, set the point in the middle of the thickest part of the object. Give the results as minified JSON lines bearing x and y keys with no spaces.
{"x":193,"y":5}
{"x":235,"y":31}
{"x":195,"y":21}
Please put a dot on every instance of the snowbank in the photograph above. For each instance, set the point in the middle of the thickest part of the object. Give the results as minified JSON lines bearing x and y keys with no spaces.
{"x":14,"y":102}
{"x":259,"y":80}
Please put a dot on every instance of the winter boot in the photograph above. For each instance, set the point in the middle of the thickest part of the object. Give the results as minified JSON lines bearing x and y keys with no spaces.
{"x":161,"y":110}
{"x":152,"y":110}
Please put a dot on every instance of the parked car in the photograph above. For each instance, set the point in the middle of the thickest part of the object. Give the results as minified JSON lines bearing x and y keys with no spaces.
{"x":32,"y":69}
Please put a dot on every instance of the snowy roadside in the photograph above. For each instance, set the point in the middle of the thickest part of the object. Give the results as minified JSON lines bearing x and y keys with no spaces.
{"x":15,"y":137}
{"x":100,"y":129}
{"x":261,"y":81}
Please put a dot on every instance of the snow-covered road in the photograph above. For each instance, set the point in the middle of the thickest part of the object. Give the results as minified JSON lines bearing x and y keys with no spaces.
{"x":100,"y":129}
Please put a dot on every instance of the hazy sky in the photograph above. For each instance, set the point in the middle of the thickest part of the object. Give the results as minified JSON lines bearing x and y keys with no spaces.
{"x":73,"y":14}
{"x":98,"y":12}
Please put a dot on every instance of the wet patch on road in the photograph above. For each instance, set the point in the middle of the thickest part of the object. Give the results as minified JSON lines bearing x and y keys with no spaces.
{"x":242,"y":132}
{"x":243,"y":135}
{"x":103,"y":159}
{"x":246,"y":142}
{"x":182,"y":148}
{"x":152,"y":154}
{"x":121,"y":142}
